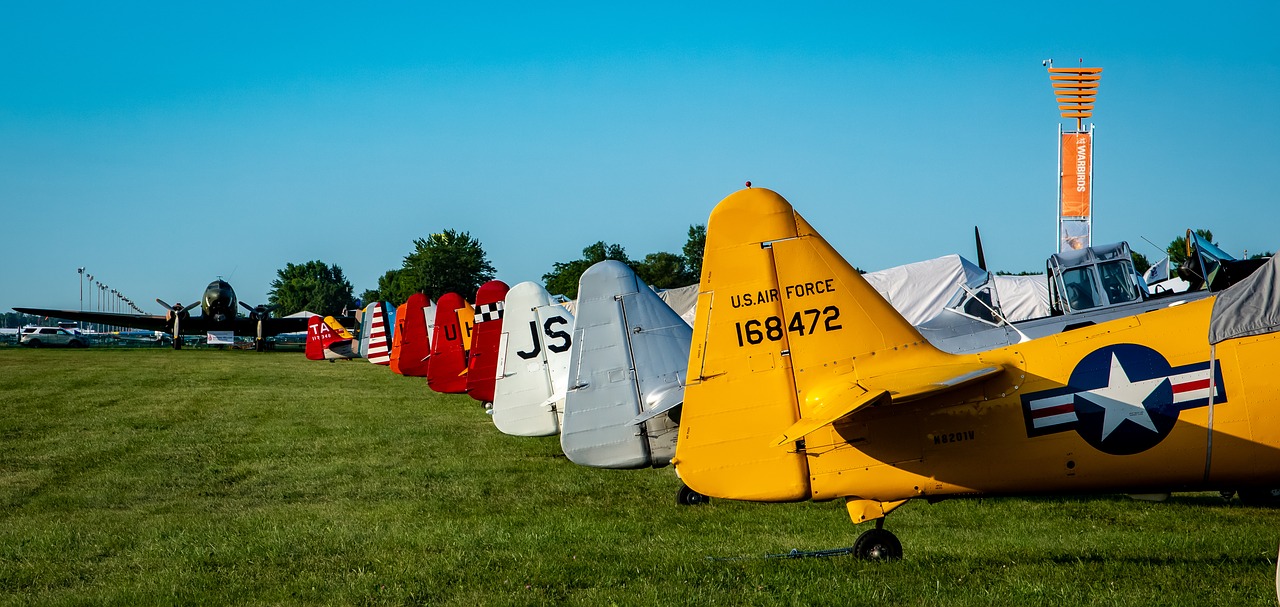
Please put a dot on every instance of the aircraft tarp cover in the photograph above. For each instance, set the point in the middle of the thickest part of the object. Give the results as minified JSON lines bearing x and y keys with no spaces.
{"x":1022,"y":297}
{"x":1250,"y":307}
{"x":684,"y":300}
{"x":920,"y":290}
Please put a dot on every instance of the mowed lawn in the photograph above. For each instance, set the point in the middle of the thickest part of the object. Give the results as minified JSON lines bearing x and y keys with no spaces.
{"x":155,"y":477}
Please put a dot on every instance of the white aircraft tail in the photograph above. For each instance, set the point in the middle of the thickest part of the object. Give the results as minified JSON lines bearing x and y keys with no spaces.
{"x":630,"y":352}
{"x":533,"y":372}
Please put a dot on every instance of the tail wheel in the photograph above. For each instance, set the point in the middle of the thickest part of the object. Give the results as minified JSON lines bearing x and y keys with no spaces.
{"x":688,"y":497}
{"x":878,"y":545}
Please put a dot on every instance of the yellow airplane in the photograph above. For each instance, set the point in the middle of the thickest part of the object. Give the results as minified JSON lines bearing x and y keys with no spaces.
{"x":804,"y":384}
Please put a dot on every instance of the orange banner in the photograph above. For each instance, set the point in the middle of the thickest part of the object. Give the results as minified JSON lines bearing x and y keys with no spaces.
{"x":1077,"y":171}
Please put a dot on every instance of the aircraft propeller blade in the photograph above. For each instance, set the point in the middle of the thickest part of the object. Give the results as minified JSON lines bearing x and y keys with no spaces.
{"x":176,"y":312}
{"x":982,"y":259}
{"x":177,"y":331}
{"x":260,"y":314}
{"x":258,"y":311}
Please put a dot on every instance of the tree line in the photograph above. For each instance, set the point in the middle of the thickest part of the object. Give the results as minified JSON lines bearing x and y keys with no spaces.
{"x":453,"y":261}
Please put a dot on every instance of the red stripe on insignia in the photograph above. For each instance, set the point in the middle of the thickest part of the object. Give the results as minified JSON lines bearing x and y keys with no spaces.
{"x":1058,"y":410}
{"x":1199,"y":384}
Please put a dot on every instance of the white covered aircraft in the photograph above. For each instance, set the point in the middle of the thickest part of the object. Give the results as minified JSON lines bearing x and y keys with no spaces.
{"x":533,"y":373}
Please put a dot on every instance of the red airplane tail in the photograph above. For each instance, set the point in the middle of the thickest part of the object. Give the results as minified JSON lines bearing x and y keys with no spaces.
{"x":327,"y":339}
{"x":447,"y":367}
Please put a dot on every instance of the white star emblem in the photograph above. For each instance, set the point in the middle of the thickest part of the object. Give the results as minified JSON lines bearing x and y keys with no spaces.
{"x":1121,"y":399}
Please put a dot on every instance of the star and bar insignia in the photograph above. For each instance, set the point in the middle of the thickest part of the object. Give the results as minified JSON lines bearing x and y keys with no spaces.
{"x":1123,"y":399}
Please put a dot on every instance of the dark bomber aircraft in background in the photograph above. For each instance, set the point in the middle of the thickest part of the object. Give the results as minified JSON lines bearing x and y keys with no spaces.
{"x":217,"y":313}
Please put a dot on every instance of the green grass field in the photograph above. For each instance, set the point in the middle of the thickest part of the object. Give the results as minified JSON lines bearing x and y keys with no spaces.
{"x":145,"y":477}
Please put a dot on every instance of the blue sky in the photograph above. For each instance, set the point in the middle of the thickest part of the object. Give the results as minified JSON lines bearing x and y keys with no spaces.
{"x":175,"y":143}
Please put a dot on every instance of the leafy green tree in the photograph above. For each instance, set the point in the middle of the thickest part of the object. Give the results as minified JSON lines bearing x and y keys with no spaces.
{"x":18,"y":319}
{"x":563,"y":277}
{"x":313,"y":286}
{"x":1140,"y":262}
{"x":692,"y":251}
{"x":1177,"y":250}
{"x":1262,"y":255}
{"x":664,"y":270}
{"x":447,"y":262}
{"x":392,"y":286}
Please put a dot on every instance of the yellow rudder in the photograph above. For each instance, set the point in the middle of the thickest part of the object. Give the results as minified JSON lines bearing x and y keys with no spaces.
{"x":785,"y":329}
{"x":740,"y":391}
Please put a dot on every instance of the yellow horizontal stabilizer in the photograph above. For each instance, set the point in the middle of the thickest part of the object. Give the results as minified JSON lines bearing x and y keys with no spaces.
{"x":337,"y":327}
{"x":829,"y":412}
{"x":905,"y":385}
{"x":919,"y":382}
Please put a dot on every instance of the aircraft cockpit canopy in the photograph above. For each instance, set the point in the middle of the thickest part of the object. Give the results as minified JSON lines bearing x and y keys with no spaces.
{"x":1093,"y":277}
{"x":977,"y":299}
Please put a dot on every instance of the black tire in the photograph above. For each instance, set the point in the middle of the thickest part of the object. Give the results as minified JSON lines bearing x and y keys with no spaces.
{"x":75,"y":343}
{"x":35,"y":343}
{"x":688,"y":497}
{"x":878,"y":545}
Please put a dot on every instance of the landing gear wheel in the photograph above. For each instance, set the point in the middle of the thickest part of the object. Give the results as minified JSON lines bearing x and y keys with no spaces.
{"x":688,"y":497}
{"x":878,"y":545}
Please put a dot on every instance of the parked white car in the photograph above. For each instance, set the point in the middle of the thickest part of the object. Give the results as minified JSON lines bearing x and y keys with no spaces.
{"x":40,"y":337}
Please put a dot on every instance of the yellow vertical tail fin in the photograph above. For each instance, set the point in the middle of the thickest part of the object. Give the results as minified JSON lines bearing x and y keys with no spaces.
{"x":785,"y":329}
